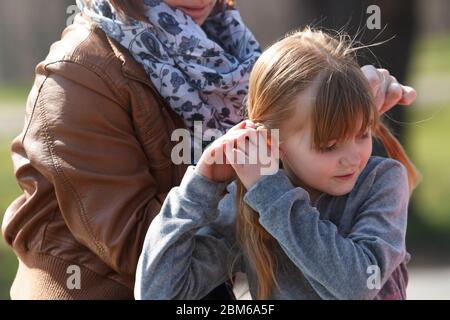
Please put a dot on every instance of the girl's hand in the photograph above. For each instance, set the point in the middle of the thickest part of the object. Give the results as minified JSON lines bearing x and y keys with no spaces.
{"x":386,"y":89}
{"x":213,"y":162}
{"x":249,"y":161}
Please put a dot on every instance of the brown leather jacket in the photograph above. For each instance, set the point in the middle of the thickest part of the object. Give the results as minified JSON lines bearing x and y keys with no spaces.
{"x":94,"y":164}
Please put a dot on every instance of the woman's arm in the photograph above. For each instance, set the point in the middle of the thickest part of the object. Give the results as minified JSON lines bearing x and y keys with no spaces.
{"x":82,"y":140}
{"x":338,"y":267}
{"x":188,"y":250}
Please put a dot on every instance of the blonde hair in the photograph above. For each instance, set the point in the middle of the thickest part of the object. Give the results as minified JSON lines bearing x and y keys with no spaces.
{"x":283,"y":71}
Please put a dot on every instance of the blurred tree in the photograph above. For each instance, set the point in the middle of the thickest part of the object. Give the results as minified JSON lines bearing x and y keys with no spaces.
{"x":27,"y":28}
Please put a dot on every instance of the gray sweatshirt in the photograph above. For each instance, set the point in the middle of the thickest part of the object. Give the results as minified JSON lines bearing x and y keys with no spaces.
{"x":345,"y":247}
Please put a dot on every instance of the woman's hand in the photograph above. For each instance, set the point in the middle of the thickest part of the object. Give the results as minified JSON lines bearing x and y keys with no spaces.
{"x":386,"y":89}
{"x":213,"y":163}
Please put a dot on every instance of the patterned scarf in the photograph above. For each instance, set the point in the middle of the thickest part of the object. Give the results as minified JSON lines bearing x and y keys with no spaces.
{"x":201,"y":71}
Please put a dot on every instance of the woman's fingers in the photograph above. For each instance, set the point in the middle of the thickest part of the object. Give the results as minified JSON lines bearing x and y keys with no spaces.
{"x":382,"y":96}
{"x":409,"y":94}
{"x":387,"y":91}
{"x":375,"y":79}
{"x":398,"y":94}
{"x":392,"y":96}
{"x":371,"y":73}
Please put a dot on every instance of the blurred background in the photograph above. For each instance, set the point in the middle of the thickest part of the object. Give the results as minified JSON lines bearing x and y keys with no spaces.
{"x":417,"y":53}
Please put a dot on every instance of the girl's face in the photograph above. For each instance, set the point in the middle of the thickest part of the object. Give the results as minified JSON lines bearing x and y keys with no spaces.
{"x":199,"y":10}
{"x":333,"y":170}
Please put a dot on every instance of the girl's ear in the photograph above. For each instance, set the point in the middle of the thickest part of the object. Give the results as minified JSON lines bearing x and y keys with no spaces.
{"x":274,"y":143}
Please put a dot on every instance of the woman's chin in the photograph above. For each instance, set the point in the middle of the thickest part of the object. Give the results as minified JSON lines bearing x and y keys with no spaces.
{"x":198,"y":15}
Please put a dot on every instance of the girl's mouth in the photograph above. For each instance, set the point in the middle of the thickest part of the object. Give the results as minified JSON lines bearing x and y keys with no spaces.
{"x":195,"y":13}
{"x":346,"y":177}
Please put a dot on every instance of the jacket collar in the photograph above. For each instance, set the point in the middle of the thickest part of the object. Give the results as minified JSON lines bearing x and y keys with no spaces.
{"x":130,"y":67}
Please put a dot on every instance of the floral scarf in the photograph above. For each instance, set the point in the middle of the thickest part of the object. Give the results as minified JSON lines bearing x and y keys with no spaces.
{"x":201,"y":71}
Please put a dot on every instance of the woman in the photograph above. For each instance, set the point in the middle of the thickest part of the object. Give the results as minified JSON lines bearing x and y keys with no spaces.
{"x":93,"y":159}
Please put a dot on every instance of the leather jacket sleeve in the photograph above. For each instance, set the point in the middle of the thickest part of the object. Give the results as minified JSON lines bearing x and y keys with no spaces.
{"x":82,"y":140}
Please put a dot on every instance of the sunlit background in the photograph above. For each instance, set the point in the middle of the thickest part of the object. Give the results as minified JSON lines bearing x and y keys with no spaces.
{"x":419,"y":50}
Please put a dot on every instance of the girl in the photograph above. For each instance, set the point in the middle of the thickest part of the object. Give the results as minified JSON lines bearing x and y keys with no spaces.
{"x":330,"y":225}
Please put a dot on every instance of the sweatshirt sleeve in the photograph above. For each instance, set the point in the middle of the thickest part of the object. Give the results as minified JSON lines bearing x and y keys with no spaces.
{"x":338,"y":267}
{"x":189,"y":247}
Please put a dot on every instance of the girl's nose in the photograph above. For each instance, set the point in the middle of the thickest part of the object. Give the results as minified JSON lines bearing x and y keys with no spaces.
{"x":351,"y":157}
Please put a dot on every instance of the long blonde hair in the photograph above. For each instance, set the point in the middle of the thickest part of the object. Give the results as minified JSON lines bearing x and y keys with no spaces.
{"x":283,"y":71}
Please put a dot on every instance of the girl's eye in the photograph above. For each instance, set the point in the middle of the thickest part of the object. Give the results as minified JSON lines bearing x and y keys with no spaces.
{"x":330,"y":147}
